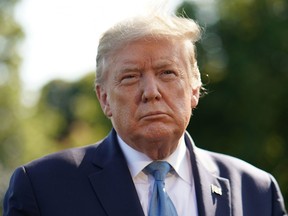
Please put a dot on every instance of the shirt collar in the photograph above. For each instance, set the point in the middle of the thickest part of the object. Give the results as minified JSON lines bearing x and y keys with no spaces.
{"x":179,"y":160}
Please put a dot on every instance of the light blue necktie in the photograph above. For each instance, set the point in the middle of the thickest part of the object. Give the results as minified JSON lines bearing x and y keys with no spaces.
{"x":160,"y":204}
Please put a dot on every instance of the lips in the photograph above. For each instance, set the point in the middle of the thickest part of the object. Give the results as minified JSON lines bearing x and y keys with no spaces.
{"x":154,"y":114}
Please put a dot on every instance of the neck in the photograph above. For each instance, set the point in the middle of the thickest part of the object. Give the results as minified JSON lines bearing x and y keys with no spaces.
{"x":156,"y":150}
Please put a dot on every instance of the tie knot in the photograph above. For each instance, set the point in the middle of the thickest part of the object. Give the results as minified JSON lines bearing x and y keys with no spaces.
{"x":158,"y":169}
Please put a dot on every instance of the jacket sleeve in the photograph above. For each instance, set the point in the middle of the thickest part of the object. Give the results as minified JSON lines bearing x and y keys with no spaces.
{"x":20,"y":199}
{"x":278,"y":201}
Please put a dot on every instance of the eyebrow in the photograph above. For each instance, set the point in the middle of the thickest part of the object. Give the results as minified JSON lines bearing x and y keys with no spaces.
{"x":164,"y":63}
{"x":128,"y":67}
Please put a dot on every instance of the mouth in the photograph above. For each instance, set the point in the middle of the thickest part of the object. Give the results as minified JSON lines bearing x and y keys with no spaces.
{"x":154,"y":115}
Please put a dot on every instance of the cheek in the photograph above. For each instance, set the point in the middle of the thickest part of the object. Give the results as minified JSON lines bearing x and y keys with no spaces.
{"x":120,"y":107}
{"x":185,"y":108}
{"x":183,"y":104}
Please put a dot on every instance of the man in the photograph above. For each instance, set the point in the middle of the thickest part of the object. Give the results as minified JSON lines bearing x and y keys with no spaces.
{"x":147,"y":83}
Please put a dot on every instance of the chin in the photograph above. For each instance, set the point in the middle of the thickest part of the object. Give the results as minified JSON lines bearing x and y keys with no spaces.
{"x":161,"y":132}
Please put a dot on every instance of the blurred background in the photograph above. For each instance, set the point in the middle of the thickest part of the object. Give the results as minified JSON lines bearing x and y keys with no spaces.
{"x":47,"y":61}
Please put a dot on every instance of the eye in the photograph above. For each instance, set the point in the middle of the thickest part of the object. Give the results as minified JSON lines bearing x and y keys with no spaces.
{"x":168,"y":74}
{"x":129,"y":78}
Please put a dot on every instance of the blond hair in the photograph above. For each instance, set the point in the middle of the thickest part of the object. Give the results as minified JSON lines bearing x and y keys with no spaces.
{"x":155,"y":26}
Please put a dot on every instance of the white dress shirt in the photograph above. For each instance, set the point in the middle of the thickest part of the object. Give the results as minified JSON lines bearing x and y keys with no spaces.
{"x":179,"y":184}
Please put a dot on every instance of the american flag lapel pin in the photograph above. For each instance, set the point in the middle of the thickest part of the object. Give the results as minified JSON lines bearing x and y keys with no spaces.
{"x":215,"y":189}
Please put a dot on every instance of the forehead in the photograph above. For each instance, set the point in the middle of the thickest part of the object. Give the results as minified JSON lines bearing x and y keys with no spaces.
{"x":156,"y":51}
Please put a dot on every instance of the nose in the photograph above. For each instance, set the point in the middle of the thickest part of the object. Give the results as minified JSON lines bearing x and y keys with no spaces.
{"x":150,"y":89}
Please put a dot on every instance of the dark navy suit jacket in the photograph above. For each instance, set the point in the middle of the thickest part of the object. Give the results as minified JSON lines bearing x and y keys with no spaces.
{"x":95,"y":181}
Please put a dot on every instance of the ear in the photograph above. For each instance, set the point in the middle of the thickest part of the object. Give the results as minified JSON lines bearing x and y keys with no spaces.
{"x":104,"y":100}
{"x":195,"y":96}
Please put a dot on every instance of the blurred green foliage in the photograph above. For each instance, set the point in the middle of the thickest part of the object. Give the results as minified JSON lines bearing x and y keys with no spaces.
{"x":10,"y":36}
{"x":67,"y":115}
{"x":243,"y":58}
{"x":10,"y":124}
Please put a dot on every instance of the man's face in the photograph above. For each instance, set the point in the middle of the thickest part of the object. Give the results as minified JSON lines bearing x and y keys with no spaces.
{"x":148,"y":96}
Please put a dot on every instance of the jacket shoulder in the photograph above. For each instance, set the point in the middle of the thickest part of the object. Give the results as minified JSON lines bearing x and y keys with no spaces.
{"x":69,"y":159}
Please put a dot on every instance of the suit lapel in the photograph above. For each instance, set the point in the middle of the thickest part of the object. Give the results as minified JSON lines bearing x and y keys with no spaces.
{"x":116,"y":192}
{"x":212,"y":192}
{"x":112,"y":182}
